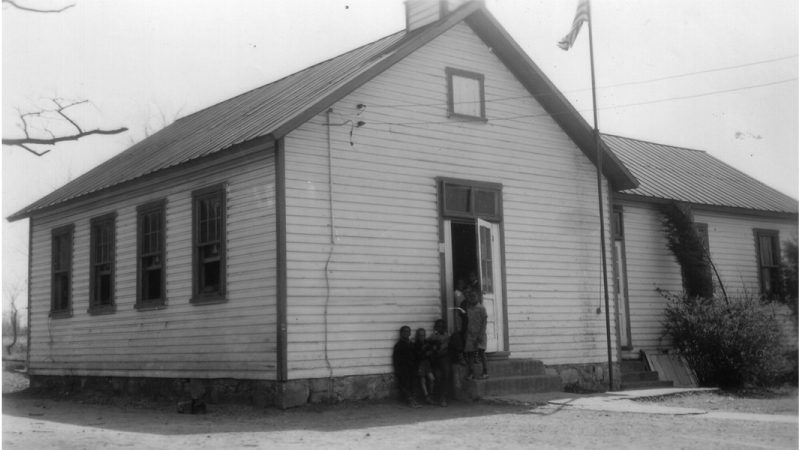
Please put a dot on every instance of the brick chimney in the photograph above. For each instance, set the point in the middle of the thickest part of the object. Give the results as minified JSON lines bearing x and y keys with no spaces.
{"x":423,"y":12}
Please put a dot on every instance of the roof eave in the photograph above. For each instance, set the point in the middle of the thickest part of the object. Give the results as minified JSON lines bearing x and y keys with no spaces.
{"x":788,"y":215}
{"x":551,"y":99}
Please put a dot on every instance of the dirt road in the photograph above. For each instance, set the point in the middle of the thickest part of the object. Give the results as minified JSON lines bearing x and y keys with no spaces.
{"x":30,"y":423}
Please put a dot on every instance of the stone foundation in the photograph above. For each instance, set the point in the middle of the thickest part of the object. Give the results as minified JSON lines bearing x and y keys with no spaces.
{"x":585,"y":377}
{"x":258,"y":393}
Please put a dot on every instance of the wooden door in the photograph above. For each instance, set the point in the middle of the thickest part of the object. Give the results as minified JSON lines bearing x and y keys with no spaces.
{"x":490,"y":278}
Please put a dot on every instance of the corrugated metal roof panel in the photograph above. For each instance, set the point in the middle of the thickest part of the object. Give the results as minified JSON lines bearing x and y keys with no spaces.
{"x":694,"y":176}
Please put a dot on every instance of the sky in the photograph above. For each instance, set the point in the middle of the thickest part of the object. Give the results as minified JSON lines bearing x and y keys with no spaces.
{"x":713,"y":75}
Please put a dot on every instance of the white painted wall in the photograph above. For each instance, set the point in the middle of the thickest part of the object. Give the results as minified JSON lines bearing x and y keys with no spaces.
{"x":234,"y":339}
{"x":384,"y":265}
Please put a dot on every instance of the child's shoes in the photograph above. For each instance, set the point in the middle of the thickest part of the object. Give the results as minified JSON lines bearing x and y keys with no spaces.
{"x":484,"y":376}
{"x":443,"y":403}
{"x":429,"y":400}
{"x":470,"y":377}
{"x":413,"y":403}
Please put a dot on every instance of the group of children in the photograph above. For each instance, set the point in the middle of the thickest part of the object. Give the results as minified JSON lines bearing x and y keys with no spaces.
{"x":425,"y":363}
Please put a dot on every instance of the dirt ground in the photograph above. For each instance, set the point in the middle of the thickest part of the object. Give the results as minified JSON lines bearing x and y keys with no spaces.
{"x":782,"y":401}
{"x":32,"y":420}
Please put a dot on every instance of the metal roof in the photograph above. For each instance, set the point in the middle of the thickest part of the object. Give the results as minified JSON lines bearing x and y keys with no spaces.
{"x":271,"y":111}
{"x":240,"y":119}
{"x":694,"y":176}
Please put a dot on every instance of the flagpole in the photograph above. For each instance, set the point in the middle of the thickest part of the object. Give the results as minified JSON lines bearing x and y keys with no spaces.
{"x":600,"y":205}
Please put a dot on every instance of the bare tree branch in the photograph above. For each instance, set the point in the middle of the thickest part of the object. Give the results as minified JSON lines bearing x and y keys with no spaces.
{"x":25,"y":8}
{"x":61,"y":106}
{"x":74,"y":137}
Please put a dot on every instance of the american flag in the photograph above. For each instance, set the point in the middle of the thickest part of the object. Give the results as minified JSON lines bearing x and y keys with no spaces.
{"x":581,"y":15}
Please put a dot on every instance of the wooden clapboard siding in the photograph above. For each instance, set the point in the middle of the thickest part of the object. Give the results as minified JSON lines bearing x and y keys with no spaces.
{"x":651,"y":265}
{"x":733,"y":248}
{"x":384,"y":263}
{"x":234,"y":339}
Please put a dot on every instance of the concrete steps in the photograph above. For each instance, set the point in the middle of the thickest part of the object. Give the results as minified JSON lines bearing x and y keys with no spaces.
{"x":509,"y":376}
{"x":637,"y":375}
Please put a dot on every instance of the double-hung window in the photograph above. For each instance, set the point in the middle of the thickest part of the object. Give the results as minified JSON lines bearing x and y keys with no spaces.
{"x":61,"y":272}
{"x":151,"y":287}
{"x":209,"y":217}
{"x":768,"y":256}
{"x":103,"y":249}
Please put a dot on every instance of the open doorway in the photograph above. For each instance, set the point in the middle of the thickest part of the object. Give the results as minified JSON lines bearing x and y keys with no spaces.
{"x":465,"y":251}
{"x":473,"y":247}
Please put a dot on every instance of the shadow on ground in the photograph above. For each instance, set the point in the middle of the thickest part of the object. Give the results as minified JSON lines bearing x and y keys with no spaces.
{"x":130,"y":415}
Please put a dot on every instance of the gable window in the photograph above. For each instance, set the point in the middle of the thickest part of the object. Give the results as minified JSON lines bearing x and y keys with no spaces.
{"x":208,"y":230}
{"x":151,"y":287}
{"x":103,"y":248}
{"x":768,"y":256}
{"x":61,"y":273}
{"x":465,"y":97}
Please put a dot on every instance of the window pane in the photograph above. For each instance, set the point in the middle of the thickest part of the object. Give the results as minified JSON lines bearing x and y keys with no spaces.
{"x":765,"y":244}
{"x":209,"y":218}
{"x":104,"y":289}
{"x":61,"y":301}
{"x":618,"y":232}
{"x":61,"y":252}
{"x":485,"y":202}
{"x":152,"y":285}
{"x":457,"y":199}
{"x":210,"y":276}
{"x":487,"y":278}
{"x":466,"y":96}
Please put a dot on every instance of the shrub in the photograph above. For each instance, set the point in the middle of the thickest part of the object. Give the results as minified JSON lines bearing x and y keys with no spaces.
{"x":727,"y":345}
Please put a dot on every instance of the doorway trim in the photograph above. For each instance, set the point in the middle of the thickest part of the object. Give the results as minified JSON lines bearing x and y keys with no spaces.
{"x":446,"y":215}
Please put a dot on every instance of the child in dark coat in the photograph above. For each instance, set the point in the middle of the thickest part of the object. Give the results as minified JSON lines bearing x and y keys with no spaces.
{"x":440,"y":341}
{"x":405,"y":366}
{"x":424,"y":353}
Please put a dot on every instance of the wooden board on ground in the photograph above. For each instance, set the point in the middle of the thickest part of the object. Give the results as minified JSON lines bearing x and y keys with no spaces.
{"x":671,"y":367}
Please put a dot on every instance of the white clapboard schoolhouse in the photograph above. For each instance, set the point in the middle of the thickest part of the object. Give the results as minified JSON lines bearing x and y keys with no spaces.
{"x":282,"y":237}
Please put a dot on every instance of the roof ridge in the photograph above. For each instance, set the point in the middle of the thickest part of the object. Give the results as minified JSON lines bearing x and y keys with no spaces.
{"x":654,"y":143}
{"x":293,"y":74}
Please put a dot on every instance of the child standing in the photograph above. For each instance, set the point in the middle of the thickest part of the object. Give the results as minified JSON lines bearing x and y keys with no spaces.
{"x":460,"y":321}
{"x":475,"y":343}
{"x":440,"y":341}
{"x":424,"y":352}
{"x":405,"y":366}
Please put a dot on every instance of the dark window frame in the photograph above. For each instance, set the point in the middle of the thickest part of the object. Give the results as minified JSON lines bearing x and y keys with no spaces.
{"x":95,"y":307}
{"x":199,"y":295}
{"x":775,"y":241}
{"x":158,"y":206}
{"x":56,"y":272}
{"x":451,"y":112}
{"x":472,"y":186}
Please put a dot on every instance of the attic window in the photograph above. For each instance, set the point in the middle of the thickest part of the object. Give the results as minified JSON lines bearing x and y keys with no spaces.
{"x":465,"y":98}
